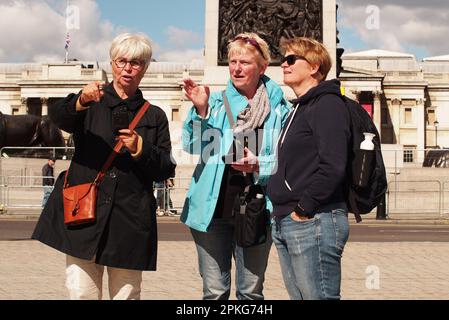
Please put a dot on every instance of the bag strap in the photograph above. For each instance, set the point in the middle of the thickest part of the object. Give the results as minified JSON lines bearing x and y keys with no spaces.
{"x":228,"y":108}
{"x":117,"y":147}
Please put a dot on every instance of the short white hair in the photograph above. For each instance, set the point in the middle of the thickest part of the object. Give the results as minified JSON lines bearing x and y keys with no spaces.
{"x":132,"y":46}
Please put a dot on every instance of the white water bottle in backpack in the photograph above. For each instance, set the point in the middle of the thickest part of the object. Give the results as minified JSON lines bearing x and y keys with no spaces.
{"x":367,"y":144}
{"x":364,"y":160}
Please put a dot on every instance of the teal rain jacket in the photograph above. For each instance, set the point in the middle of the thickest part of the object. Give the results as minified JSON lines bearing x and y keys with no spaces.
{"x":211,"y":138}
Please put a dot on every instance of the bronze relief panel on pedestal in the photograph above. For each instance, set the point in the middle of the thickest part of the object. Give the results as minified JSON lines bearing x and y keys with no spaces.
{"x":271,"y":20}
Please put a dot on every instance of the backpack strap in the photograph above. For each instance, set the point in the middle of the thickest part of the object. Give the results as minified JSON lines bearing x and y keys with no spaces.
{"x":357,"y":216}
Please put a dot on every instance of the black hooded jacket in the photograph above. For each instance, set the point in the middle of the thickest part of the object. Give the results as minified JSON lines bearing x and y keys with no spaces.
{"x":312,"y":153}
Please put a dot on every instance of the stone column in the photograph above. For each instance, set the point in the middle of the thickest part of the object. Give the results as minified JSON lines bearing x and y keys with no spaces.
{"x":421,"y":130}
{"x":330,"y":33}
{"x":356,"y":94}
{"x":377,"y":118}
{"x":396,"y":118}
{"x":23,"y":106}
{"x":44,"y":102}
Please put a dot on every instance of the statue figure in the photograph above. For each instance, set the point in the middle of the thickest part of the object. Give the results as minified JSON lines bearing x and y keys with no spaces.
{"x":271,"y":19}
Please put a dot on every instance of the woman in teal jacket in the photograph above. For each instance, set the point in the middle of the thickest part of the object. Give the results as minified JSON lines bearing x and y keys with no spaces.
{"x":259,"y":110}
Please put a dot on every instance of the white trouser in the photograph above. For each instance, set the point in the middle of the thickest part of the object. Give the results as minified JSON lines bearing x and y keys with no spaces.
{"x":84,"y":279}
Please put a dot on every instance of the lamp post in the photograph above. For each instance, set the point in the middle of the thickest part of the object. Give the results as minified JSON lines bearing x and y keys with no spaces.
{"x":435,"y":124}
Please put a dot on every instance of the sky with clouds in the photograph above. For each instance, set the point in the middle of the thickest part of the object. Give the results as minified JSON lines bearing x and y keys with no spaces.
{"x":412,"y":26}
{"x":34,"y":30}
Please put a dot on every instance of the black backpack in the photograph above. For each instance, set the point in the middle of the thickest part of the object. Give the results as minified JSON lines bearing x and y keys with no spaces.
{"x":366,"y":177}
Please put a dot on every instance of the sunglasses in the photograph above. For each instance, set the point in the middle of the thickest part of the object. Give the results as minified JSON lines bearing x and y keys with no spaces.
{"x":250,"y":41}
{"x":291,"y":59}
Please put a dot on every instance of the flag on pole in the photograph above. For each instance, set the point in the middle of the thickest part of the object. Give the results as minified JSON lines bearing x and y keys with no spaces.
{"x":67,"y":40}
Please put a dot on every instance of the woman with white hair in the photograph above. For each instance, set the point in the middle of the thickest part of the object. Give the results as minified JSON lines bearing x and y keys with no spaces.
{"x":123,"y":236}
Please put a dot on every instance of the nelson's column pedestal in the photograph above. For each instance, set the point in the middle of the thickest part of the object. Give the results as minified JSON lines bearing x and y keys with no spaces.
{"x":272,"y":20}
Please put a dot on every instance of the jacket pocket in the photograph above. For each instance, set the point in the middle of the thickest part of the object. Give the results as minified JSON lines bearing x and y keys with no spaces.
{"x":277,"y":188}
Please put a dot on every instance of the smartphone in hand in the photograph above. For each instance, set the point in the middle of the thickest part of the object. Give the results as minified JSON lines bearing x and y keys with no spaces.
{"x":237,"y":151}
{"x":120,"y":119}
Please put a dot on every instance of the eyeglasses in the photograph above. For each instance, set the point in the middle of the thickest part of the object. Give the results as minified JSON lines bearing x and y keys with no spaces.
{"x":250,"y":41}
{"x":135,"y":64}
{"x":291,"y":59}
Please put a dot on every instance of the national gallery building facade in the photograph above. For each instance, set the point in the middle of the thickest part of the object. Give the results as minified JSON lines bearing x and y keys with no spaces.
{"x":408,"y":99}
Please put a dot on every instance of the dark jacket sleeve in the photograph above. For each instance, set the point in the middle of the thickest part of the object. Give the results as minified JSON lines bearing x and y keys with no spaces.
{"x":330,"y":123}
{"x":46,"y":173}
{"x":156,"y":160}
{"x":64,"y":114}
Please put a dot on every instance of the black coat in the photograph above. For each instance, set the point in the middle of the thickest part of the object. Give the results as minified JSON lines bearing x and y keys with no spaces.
{"x":124,"y":234}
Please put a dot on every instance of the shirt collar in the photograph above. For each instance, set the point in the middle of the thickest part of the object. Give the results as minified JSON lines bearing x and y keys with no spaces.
{"x":113,"y":99}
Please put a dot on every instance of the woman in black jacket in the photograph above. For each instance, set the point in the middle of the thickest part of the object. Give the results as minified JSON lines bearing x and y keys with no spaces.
{"x":123,"y":236}
{"x":307,"y":190}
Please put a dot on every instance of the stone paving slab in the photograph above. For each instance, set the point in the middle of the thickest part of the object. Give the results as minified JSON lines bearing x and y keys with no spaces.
{"x":400,"y":270}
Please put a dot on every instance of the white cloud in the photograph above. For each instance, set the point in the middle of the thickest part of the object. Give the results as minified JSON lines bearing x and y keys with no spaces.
{"x":181,"y":46}
{"x":36,"y":31}
{"x":46,"y":57}
{"x":182,"y":38}
{"x":420,"y":24}
{"x":181,"y":55}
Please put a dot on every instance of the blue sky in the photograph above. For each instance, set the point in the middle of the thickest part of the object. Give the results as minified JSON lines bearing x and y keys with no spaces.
{"x":36,"y":28}
{"x":153,"y":17}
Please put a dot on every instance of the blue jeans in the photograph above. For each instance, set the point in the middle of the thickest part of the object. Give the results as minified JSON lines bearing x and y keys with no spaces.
{"x":47,"y":192}
{"x":310,"y":254}
{"x":215,"y":250}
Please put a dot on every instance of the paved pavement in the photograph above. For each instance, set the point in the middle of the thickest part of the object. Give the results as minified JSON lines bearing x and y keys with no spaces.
{"x":375,"y":270}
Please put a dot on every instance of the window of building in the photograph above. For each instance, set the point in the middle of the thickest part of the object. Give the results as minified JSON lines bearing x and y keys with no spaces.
{"x":175,"y":116}
{"x":430,"y":117}
{"x":408,"y":116}
{"x":409,"y":154}
{"x":15,"y":111}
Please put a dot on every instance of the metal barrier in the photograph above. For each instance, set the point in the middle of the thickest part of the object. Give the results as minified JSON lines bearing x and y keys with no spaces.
{"x":404,"y":197}
{"x":419,"y":182}
{"x":26,"y":151}
{"x":166,"y":204}
{"x":415,"y":158}
{"x":2,"y":195}
{"x":415,"y":197}
{"x":15,"y":197}
{"x":26,"y":192}
{"x":445,"y":199}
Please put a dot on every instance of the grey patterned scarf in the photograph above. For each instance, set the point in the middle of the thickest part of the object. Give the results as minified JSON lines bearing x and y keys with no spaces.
{"x":253,"y":116}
